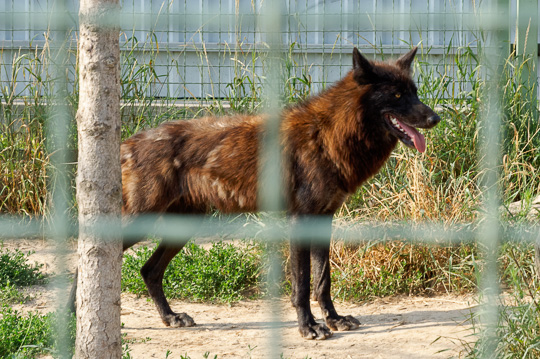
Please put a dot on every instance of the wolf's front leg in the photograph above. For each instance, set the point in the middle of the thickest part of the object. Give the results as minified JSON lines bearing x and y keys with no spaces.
{"x":320,"y":256}
{"x":300,"y":272}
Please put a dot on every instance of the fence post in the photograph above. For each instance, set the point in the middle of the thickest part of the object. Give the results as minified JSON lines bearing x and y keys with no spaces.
{"x":99,"y":190}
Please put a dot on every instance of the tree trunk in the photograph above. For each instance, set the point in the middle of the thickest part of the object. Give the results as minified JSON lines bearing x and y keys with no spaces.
{"x":99,"y":189}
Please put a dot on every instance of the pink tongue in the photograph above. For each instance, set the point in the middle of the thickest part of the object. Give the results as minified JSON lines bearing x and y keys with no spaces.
{"x":418,"y":138}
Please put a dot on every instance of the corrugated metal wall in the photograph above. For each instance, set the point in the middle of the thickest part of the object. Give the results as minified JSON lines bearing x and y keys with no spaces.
{"x":198,"y":47}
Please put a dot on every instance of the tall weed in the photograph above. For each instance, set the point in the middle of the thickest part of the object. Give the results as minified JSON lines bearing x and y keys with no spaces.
{"x":518,"y":322}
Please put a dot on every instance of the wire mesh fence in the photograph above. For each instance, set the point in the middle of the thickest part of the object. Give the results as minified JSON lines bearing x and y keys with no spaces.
{"x":182,"y":59}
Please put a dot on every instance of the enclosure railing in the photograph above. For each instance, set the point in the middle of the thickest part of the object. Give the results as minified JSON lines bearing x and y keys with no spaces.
{"x":491,"y":17}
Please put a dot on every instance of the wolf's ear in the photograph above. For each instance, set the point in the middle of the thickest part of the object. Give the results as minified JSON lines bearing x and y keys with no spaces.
{"x":363,"y":69}
{"x":406,"y":60}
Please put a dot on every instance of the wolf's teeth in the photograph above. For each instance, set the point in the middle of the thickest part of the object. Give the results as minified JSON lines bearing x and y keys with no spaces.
{"x":396,"y":125}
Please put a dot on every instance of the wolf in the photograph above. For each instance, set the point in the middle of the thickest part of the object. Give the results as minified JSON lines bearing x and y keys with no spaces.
{"x":330,"y":144}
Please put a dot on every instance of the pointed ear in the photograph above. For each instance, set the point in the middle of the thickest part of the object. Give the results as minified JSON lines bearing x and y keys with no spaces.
{"x":363,"y":69}
{"x":405,"y":61}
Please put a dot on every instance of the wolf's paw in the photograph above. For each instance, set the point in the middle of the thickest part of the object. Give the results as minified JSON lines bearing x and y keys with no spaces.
{"x":178,"y":320}
{"x":347,"y":322}
{"x":315,"y":331}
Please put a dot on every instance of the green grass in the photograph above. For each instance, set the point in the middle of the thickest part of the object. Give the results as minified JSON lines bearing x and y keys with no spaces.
{"x":28,"y":335}
{"x":15,"y":269}
{"x":10,"y":293}
{"x":16,"y":273}
{"x":22,"y":335}
{"x":222,"y":273}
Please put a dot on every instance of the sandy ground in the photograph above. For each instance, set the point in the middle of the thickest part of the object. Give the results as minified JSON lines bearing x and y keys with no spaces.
{"x":399,"y":327}
{"x":396,"y":327}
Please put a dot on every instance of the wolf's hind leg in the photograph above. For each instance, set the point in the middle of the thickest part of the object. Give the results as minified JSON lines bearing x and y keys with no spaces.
{"x":152,"y":273}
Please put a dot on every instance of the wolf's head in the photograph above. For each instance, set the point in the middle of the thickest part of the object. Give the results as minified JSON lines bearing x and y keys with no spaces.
{"x":392,"y":103}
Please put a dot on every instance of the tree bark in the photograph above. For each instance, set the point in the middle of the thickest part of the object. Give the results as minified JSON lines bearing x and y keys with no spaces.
{"x":99,"y":188}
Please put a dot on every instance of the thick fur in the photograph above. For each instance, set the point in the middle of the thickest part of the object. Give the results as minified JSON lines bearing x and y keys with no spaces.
{"x":331,"y":144}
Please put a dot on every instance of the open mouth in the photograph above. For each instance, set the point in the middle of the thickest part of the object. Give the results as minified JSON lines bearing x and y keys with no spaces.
{"x":407,"y":134}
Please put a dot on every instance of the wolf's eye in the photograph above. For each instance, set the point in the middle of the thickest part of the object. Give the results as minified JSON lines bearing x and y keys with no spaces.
{"x":397,"y":94}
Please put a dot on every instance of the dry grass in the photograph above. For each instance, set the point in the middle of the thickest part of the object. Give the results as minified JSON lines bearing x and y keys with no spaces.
{"x":378,"y":269}
{"x":23,"y":172}
{"x":417,"y":195}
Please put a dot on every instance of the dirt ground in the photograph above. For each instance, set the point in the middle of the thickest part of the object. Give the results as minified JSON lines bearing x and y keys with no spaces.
{"x":395,"y":327}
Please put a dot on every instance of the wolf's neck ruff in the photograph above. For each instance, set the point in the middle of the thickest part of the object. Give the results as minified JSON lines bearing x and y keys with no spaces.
{"x":334,"y":129}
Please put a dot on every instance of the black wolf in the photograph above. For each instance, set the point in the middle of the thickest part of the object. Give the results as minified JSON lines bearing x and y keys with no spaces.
{"x":331,"y":144}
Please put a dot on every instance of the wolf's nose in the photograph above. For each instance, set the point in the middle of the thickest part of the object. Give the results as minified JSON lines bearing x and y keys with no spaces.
{"x":433,"y":120}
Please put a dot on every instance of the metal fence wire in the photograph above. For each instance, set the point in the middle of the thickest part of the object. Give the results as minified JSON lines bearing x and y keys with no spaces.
{"x":189,"y":55}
